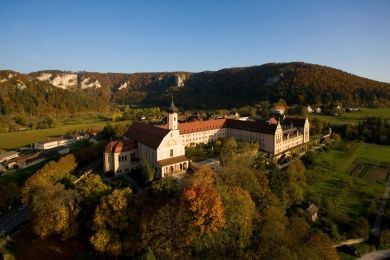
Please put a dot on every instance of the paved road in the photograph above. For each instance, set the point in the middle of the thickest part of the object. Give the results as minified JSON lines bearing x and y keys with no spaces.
{"x":376,"y":255}
{"x":13,"y":219}
{"x":377,"y":226}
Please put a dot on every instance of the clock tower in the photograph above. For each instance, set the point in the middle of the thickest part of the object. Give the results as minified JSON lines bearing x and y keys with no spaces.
{"x":172,"y":117}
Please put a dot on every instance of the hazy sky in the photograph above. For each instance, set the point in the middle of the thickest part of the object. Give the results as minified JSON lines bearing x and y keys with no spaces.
{"x":167,"y":35}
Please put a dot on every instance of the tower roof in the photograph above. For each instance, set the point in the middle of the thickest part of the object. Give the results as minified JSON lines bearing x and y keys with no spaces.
{"x":172,"y":108}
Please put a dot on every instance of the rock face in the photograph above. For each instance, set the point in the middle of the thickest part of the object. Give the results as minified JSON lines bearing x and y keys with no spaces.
{"x":86,"y":83}
{"x":68,"y":80}
{"x":63,"y":80}
{"x":180,"y":80}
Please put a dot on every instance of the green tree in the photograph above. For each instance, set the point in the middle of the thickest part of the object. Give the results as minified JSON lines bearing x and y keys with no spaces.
{"x":384,"y":238}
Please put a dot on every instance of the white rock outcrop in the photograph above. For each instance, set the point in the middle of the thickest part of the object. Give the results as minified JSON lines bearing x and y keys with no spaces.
{"x":123,"y":86}
{"x":44,"y":76}
{"x":85,"y":83}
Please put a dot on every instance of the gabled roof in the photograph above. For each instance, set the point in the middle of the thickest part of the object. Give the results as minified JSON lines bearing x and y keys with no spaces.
{"x":120,"y":146}
{"x":146,"y":134}
{"x":198,"y":126}
{"x":193,"y":127}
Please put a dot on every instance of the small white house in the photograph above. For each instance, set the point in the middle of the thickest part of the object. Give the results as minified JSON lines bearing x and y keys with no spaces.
{"x":309,"y":109}
{"x":318,"y":110}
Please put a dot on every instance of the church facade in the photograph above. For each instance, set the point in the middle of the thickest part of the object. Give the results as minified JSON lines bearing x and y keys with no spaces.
{"x":163,"y":146}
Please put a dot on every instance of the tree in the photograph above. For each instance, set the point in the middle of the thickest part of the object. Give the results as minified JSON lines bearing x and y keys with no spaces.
{"x":228,"y":150}
{"x":170,"y":232}
{"x":205,"y":206}
{"x":165,"y":188}
{"x":108,"y":131}
{"x":53,"y":207}
{"x":384,"y":238}
{"x":296,"y":180}
{"x":54,"y":210}
{"x":148,"y":173}
{"x":91,"y":188}
{"x":309,"y":159}
{"x":9,"y":196}
{"x":240,"y":211}
{"x":111,"y":223}
{"x":205,"y":175}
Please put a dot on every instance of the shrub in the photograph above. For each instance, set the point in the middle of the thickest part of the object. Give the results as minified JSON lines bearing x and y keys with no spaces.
{"x":309,"y":159}
{"x":165,"y":188}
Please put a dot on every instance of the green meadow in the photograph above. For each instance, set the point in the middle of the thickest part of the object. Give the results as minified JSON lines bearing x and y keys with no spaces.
{"x":14,"y":140}
{"x":355,"y":116}
{"x":344,"y":199}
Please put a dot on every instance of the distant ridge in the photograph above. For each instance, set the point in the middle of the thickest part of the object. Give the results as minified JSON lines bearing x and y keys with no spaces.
{"x":296,"y":82}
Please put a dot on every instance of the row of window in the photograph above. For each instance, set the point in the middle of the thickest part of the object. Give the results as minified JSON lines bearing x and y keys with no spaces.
{"x":122,"y":158}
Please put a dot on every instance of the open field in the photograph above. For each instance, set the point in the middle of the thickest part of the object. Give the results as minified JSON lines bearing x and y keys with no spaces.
{"x":344,"y":198}
{"x":356,"y":116}
{"x":24,"y":138}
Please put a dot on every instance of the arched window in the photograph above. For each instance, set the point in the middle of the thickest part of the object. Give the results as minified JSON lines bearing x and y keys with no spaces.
{"x":171,"y":153}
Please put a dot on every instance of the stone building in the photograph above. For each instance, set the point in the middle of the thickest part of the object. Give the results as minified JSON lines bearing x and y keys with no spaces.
{"x":163,"y":147}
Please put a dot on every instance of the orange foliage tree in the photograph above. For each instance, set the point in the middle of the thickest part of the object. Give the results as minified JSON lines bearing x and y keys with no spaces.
{"x":205,"y":205}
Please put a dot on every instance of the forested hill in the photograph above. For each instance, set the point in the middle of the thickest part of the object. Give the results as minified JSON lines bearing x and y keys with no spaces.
{"x":296,"y":82}
{"x":22,"y":94}
{"x":61,"y":92}
{"x":300,"y":83}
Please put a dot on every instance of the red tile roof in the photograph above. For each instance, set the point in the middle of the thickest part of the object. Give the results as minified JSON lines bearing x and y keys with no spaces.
{"x":198,"y":126}
{"x":146,"y":134}
{"x":186,"y":128}
{"x":120,"y":146}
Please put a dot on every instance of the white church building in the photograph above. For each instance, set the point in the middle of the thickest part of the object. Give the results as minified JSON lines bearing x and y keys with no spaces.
{"x":163,"y":146}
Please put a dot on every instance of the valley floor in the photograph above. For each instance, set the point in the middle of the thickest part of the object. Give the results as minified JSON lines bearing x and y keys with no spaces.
{"x":14,"y":140}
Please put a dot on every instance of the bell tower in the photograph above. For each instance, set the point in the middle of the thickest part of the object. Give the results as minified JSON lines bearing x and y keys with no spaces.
{"x":172,"y":117}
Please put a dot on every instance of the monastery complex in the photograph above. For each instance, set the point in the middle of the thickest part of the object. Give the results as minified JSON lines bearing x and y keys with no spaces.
{"x":163,"y":146}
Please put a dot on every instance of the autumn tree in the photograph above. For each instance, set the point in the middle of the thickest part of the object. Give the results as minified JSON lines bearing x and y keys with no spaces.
{"x":54,"y":208}
{"x":91,"y":188}
{"x":205,"y":205}
{"x":170,"y":232}
{"x":111,"y":223}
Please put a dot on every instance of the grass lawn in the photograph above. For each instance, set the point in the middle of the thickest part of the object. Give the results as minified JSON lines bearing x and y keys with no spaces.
{"x":344,"y":198}
{"x":18,"y":139}
{"x":354,"y":117}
